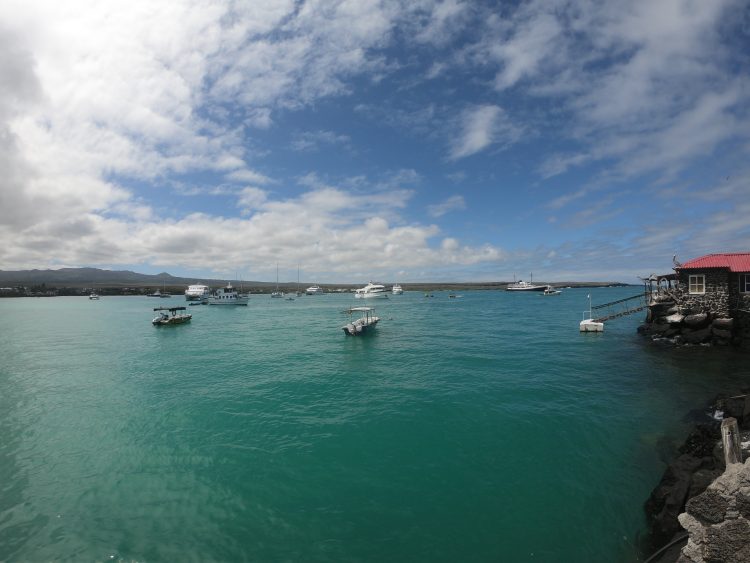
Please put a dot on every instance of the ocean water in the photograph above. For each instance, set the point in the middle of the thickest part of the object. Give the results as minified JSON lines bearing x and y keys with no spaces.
{"x":484,"y":428}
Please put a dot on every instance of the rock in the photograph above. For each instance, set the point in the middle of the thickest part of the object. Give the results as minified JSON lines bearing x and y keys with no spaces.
{"x":697,"y":336}
{"x":723,"y":542}
{"x":708,"y":507}
{"x":668,"y":498}
{"x":696,"y":321}
{"x":673,"y":310}
{"x":720,"y":333}
{"x":723,"y":324}
{"x":743,"y":505}
{"x":675,"y":319}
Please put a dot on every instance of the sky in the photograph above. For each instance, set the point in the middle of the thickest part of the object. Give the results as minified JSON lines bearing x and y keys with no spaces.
{"x":396,"y":141}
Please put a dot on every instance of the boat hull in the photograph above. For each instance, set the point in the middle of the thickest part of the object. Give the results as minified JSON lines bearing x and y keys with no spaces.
{"x":379,"y":295}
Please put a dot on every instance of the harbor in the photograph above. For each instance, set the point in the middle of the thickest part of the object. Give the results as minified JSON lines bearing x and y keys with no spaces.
{"x":278,"y":392}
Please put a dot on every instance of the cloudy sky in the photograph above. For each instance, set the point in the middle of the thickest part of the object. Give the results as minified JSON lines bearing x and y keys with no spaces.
{"x":389,"y":140}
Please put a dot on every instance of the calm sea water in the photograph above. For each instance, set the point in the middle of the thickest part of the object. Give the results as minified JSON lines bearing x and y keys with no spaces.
{"x":484,"y":428}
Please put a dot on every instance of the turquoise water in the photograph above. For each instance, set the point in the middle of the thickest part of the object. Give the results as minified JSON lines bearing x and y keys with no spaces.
{"x":484,"y":428}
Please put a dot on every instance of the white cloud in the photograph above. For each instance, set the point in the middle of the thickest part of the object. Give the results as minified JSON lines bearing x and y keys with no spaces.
{"x":482,"y":126}
{"x":312,"y":140}
{"x":453,"y":203}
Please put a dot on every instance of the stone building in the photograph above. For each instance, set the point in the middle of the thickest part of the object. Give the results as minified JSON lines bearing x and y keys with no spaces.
{"x":718,"y":284}
{"x":706,"y":300}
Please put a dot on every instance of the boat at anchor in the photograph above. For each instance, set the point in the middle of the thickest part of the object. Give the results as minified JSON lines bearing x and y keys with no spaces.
{"x":170,"y":316}
{"x":228,"y":296}
{"x":363,"y":324}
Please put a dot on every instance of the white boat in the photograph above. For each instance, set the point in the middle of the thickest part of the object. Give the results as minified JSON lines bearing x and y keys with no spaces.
{"x":228,"y":296}
{"x":164,"y":317}
{"x":549,"y":290}
{"x":363,"y":324}
{"x":277,"y":294}
{"x":314,"y":290}
{"x":397,"y":289}
{"x":521,"y":285}
{"x":371,"y":291}
{"x":589,"y":324}
{"x":197,"y":292}
{"x":94,"y":295}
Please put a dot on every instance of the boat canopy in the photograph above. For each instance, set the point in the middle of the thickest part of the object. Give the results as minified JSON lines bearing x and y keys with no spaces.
{"x":363,"y":309}
{"x":172,"y":309}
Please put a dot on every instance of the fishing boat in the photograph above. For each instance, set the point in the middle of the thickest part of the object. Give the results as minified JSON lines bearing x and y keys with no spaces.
{"x":314,"y":290}
{"x":197,"y":292}
{"x":521,"y":285}
{"x":170,"y":316}
{"x":589,"y":324}
{"x":397,"y":289}
{"x":549,"y":290}
{"x":363,"y":324}
{"x":371,"y":291}
{"x":228,"y":296}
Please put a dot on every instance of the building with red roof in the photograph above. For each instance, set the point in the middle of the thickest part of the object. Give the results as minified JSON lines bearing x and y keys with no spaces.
{"x":717,"y":284}
{"x":706,"y":301}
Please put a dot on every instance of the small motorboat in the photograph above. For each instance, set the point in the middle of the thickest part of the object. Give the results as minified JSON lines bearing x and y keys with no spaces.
{"x":94,"y":295}
{"x":363,"y":324}
{"x":170,"y":316}
{"x":549,"y":290}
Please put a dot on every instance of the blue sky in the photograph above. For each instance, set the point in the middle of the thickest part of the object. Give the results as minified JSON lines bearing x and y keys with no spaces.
{"x":385,"y":140}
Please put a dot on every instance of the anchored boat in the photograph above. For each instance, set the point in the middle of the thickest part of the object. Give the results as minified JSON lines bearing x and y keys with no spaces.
{"x":370,"y":291}
{"x":228,"y":296}
{"x":363,"y":324}
{"x":170,"y":316}
{"x":549,"y":290}
{"x":521,"y":285}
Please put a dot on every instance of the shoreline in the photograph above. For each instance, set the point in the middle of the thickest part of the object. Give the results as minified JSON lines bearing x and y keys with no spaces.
{"x":695,"y":465}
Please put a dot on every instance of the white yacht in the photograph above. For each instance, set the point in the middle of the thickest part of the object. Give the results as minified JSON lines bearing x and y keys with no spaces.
{"x":551,"y":291}
{"x":371,"y":290}
{"x":521,"y":285}
{"x":197,"y":292}
{"x":314,"y":290}
{"x":94,"y":295}
{"x":397,"y":289}
{"x":227,"y":296}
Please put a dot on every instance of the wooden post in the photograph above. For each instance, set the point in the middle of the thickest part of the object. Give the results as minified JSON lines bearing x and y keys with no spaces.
{"x":730,"y":439}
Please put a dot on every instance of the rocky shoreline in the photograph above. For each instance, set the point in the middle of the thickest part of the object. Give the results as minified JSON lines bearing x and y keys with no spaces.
{"x":669,"y":323}
{"x":698,"y":464}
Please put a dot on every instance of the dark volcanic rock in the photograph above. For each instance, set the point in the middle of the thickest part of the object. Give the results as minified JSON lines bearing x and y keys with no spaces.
{"x":668,"y":498}
{"x":743,"y":505}
{"x":697,"y":321}
{"x":709,"y":507}
{"x":723,"y":324}
{"x":726,"y":334}
{"x":702,"y":440}
{"x":697,"y":336}
{"x":723,"y":542}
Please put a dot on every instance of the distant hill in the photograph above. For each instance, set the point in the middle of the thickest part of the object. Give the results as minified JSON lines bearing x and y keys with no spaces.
{"x":88,"y":277}
{"x":76,"y":277}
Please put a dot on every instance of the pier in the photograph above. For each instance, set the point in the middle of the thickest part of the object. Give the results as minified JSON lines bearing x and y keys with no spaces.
{"x":619,"y":308}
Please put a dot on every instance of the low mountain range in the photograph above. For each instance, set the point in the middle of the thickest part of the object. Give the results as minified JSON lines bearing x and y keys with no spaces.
{"x":88,"y":277}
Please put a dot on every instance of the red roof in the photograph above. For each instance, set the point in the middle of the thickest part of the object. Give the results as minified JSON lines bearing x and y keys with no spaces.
{"x":735,"y":262}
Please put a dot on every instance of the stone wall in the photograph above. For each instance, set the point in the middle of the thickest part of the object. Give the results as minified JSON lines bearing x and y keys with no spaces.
{"x":716,"y":299}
